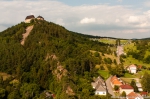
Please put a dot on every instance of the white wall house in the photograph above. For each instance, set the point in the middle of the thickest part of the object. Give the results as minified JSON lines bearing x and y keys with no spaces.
{"x":100,"y":93}
{"x":126,"y":88}
{"x":99,"y":86}
{"x":29,"y":18}
{"x":138,"y":84}
{"x":132,"y":69}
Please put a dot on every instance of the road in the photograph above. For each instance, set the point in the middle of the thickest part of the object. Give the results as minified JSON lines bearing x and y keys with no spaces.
{"x":109,"y":88}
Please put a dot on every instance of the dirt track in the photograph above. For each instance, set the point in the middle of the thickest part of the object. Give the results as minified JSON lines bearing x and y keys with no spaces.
{"x":25,"y":35}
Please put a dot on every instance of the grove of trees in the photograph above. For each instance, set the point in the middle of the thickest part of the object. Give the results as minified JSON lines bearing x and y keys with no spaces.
{"x":36,"y":71}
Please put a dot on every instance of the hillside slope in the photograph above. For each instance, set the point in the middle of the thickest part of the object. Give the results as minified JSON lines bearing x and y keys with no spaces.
{"x":52,"y":60}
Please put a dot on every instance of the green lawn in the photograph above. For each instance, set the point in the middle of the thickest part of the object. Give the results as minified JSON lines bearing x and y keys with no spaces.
{"x":143,"y":71}
{"x":128,"y":75}
{"x":123,"y":41}
{"x":127,"y":80}
{"x":111,"y":41}
{"x":108,"y":41}
{"x":104,"y":73}
{"x":129,"y":60}
{"x":129,"y":47}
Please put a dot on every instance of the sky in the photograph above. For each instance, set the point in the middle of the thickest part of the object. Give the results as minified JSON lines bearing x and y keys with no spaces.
{"x":110,"y":18}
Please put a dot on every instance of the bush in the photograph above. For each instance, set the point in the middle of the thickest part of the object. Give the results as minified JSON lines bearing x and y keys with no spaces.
{"x":116,"y":87}
{"x":102,"y":68}
{"x":96,"y":54}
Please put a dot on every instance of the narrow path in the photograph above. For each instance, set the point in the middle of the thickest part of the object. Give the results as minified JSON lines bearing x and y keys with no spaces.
{"x":25,"y":35}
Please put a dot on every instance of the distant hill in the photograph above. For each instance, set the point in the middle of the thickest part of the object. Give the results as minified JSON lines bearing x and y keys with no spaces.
{"x":146,"y":38}
{"x":52,"y":60}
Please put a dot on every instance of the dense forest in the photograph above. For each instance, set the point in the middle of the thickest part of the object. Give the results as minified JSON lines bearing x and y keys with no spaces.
{"x":53,"y":62}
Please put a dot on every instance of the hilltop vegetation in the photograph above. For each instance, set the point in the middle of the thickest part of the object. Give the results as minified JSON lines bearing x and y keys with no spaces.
{"x":52,"y":60}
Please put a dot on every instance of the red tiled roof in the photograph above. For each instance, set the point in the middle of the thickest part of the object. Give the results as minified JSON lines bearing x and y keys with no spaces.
{"x":113,"y":78}
{"x":132,"y":95}
{"x":115,"y":81}
{"x":144,"y":93}
{"x":126,"y":87}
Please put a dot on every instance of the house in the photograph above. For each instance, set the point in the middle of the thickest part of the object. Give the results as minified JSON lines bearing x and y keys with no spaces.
{"x":144,"y":94}
{"x":127,"y":88}
{"x":99,"y":86}
{"x":115,"y":81}
{"x":40,"y":18}
{"x":138,"y":84}
{"x":132,"y":69}
{"x":134,"y":95}
{"x":29,"y":18}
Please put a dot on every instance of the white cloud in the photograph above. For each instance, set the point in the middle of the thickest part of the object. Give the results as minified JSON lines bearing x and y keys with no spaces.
{"x":133,"y":19}
{"x":147,"y":13}
{"x":87,"y":20}
{"x":147,"y":3}
{"x":117,"y":20}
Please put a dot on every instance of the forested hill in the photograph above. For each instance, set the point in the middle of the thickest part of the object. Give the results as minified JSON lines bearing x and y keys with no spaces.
{"x":53,"y":60}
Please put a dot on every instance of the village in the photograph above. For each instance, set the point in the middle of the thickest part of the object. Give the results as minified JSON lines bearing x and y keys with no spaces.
{"x":113,"y":85}
{"x":119,"y":87}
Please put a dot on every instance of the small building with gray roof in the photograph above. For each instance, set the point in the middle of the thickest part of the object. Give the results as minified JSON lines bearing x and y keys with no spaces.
{"x":99,"y":86}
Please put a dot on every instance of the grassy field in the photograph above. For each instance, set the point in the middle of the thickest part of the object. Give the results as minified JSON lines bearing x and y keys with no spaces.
{"x":127,"y":47}
{"x":129,"y":60}
{"x":111,"y":56}
{"x":142,"y":72}
{"x":104,"y":73}
{"x":128,"y":75}
{"x":127,"y":80}
{"x":111,"y":41}
{"x":147,"y":53}
{"x":123,"y":41}
{"x":107,"y":41}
